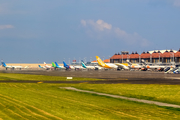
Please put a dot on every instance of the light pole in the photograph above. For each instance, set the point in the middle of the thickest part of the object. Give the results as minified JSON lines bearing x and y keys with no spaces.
{"x":139,"y":59}
{"x":85,"y":59}
{"x":122,"y":58}
{"x":90,"y":59}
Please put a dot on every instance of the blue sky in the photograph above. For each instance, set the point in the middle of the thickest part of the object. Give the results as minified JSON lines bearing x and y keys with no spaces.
{"x":37,"y":31}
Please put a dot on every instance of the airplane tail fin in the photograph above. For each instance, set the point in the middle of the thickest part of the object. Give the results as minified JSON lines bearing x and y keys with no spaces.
{"x":65,"y":65}
{"x":3,"y":64}
{"x":100,"y":62}
{"x":144,"y":63}
{"x":56,"y":64}
{"x":53,"y":65}
{"x":45,"y":63}
{"x":128,"y":62}
{"x":39,"y":66}
{"x":83,"y":64}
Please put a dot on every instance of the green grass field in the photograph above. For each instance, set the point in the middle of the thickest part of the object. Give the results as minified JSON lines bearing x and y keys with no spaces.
{"x":47,"y":101}
{"x":12,"y":76}
{"x":156,"y":92}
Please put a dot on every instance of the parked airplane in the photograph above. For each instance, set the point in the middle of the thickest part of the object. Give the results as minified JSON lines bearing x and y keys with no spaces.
{"x":54,"y":66}
{"x":67,"y":66}
{"x":58,"y":65}
{"x":77,"y":67}
{"x":88,"y":67}
{"x":40,"y":66}
{"x":12,"y":67}
{"x":133,"y":66}
{"x":156,"y":67}
{"x":44,"y":67}
{"x":47,"y":66}
{"x":111,"y":65}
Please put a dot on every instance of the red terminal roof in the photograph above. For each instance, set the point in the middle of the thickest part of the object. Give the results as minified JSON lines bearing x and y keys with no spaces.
{"x":116,"y":57}
{"x":124,"y":56}
{"x":145,"y":55}
{"x":120,"y":57}
{"x":134,"y":56}
{"x":156,"y":54}
{"x":107,"y":60}
{"x":167,"y":54}
{"x":177,"y":54}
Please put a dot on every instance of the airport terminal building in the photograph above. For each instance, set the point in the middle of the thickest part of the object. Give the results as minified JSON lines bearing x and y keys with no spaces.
{"x":150,"y":57}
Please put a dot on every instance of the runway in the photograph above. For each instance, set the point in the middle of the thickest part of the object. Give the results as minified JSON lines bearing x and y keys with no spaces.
{"x":109,"y":76}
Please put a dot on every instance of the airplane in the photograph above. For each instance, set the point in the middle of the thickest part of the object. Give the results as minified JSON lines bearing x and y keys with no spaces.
{"x":133,"y":66}
{"x":54,"y":66}
{"x":87,"y":67}
{"x":43,"y":67}
{"x":12,"y":67}
{"x":67,"y":66}
{"x":155,"y":67}
{"x":47,"y":67}
{"x":40,"y":66}
{"x":111,"y":65}
{"x":77,"y":67}
{"x":90,"y":67}
{"x":58,"y":65}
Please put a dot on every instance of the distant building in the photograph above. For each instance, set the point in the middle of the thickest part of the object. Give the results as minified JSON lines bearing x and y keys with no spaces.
{"x":155,"y":56}
{"x":107,"y":60}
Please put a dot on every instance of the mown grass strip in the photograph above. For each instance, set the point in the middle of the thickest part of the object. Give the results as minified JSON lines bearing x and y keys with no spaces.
{"x":155,"y":92}
{"x":122,"y":97}
{"x":72,"y":102}
{"x":24,"y":110}
{"x":17,"y":77}
{"x":73,"y":105}
{"x":32,"y":107}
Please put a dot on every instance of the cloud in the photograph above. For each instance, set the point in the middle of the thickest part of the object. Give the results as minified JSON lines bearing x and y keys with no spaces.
{"x":6,"y":27}
{"x":99,"y":25}
{"x":83,"y":22}
{"x":103,"y":30}
{"x":176,"y":3}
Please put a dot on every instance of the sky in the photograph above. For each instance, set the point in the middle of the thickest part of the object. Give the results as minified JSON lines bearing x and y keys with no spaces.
{"x":37,"y":31}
